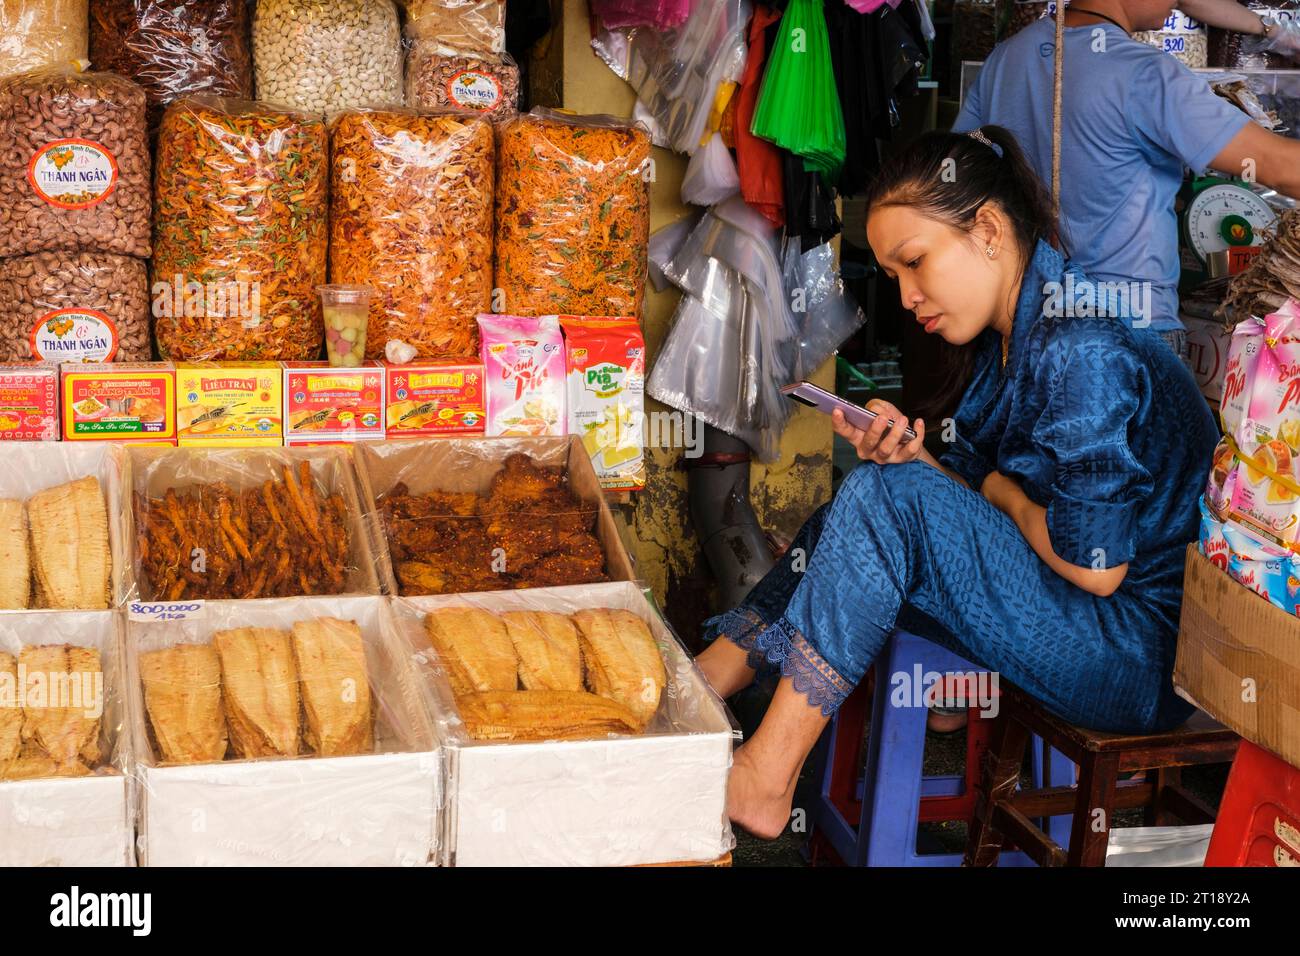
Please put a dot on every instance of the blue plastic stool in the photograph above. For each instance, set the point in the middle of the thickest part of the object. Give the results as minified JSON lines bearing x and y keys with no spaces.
{"x":893,"y":784}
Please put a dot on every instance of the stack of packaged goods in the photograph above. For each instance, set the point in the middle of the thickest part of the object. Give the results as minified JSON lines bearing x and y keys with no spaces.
{"x":457,"y":57}
{"x":1250,"y":515}
{"x":74,"y":233}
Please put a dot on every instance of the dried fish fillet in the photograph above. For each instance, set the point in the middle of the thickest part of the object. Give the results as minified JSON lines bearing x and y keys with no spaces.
{"x":622,"y":660}
{"x":15,"y":565}
{"x":543,"y":715}
{"x":259,"y":685}
{"x":547,"y":646}
{"x":182,"y":693}
{"x":475,"y":649}
{"x":11,"y":715}
{"x":69,"y":545}
{"x":33,"y":768}
{"x":63,"y":700}
{"x":331,"y":659}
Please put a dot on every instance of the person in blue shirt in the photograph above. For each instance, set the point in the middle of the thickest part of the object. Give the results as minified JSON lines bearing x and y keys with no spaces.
{"x":1047,"y":544}
{"x":1132,"y":117}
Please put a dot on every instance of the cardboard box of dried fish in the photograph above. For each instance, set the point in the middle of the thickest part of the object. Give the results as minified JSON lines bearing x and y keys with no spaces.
{"x":243,"y":523}
{"x":576,"y":729}
{"x":61,"y":545}
{"x":485,"y":514}
{"x":64,"y":788}
{"x":280,"y":733}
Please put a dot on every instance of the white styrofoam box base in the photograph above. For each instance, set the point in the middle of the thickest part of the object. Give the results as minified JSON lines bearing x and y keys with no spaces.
{"x":592,"y":803}
{"x":371,"y":810}
{"x":67,"y":821}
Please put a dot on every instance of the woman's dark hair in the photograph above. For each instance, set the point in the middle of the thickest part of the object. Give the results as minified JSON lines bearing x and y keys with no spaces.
{"x":948,"y":177}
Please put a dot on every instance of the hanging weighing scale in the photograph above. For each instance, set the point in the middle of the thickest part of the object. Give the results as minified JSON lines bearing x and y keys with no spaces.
{"x":1221,"y":228}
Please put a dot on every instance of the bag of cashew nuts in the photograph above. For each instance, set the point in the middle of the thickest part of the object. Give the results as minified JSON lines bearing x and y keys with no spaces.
{"x":74,"y":307}
{"x":74,"y":164}
{"x":487,"y":83}
{"x":241,"y":234}
{"x":328,"y":55}
{"x":411,"y":216}
{"x":174,"y":49}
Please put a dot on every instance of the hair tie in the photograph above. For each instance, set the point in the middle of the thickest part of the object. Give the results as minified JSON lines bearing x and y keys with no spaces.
{"x":979,"y":137}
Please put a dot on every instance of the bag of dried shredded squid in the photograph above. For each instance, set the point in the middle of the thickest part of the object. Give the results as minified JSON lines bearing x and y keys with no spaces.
{"x":240,"y":231}
{"x":411,"y":216}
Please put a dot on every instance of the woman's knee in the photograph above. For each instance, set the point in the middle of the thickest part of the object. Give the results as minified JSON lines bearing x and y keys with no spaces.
{"x":905,"y":484}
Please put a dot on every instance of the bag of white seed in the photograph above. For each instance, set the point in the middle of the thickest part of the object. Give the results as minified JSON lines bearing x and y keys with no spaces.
{"x":328,"y":55}
{"x":1181,"y":37}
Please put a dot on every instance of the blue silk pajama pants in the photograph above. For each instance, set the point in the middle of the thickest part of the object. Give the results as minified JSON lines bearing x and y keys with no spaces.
{"x":906,"y":546}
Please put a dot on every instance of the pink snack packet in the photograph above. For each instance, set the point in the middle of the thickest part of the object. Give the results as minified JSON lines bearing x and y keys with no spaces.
{"x":523,"y":360}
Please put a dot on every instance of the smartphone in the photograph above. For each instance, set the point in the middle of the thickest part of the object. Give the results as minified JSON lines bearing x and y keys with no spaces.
{"x":806,"y":393}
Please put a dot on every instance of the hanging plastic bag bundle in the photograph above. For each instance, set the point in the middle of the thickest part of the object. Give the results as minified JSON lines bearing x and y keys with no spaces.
{"x":798,"y":104}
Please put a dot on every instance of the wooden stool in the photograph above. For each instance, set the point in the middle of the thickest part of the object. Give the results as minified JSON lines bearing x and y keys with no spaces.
{"x":1003,"y":812}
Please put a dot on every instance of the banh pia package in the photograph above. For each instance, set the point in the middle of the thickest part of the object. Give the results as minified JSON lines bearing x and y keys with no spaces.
{"x":242,"y":523}
{"x":279,"y":733}
{"x":653,"y":793}
{"x":65,"y":794}
{"x":63,"y":544}
{"x":482,"y":514}
{"x":523,"y":367}
{"x":605,"y":360}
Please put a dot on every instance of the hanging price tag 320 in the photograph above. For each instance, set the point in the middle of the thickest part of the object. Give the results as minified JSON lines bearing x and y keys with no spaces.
{"x":160,"y":611}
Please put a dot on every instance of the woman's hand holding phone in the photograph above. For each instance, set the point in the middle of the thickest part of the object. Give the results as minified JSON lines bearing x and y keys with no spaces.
{"x":880,"y":443}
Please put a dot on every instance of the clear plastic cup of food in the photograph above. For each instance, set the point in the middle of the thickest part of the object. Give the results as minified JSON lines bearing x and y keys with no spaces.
{"x":346,"y":311}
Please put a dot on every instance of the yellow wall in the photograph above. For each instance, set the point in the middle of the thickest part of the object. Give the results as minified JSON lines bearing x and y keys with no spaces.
{"x":566,"y":72}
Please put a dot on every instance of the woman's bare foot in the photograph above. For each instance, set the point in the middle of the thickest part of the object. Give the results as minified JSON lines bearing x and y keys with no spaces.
{"x":754,"y":802}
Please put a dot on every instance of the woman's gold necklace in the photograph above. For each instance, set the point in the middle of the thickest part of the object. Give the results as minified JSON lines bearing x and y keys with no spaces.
{"x":1006,"y":346}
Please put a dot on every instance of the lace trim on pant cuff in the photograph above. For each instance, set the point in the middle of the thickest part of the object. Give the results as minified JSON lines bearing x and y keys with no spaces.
{"x":781,"y":643}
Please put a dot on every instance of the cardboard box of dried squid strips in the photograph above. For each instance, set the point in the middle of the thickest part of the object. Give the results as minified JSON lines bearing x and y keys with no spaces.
{"x":65,"y":797}
{"x":324,"y":405}
{"x":280,"y":733}
{"x":540,"y":770}
{"x":483,"y":514}
{"x":243,"y":523}
{"x":229,"y":403}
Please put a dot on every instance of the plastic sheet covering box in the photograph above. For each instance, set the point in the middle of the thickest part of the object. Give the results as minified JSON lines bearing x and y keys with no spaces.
{"x":469,"y":465}
{"x":376,"y":807}
{"x":658,"y":797}
{"x":1239,"y":658}
{"x":71,"y":821}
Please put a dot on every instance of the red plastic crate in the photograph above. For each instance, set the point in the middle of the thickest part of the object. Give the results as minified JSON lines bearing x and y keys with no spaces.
{"x":1259,"y":817}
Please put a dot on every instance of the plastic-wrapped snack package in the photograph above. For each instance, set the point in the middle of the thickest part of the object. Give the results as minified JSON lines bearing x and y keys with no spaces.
{"x":566,"y":756}
{"x":174,"y":49}
{"x":245,"y":523}
{"x":523,"y":369}
{"x":327,"y":55}
{"x":59,"y":521}
{"x":482,"y":83}
{"x":677,"y":72}
{"x":458,"y":26}
{"x":411,"y":216}
{"x":36,"y":34}
{"x":294,"y":727}
{"x":573,"y":215}
{"x":241,"y":231}
{"x":64,"y":741}
{"x":74,"y":307}
{"x":487,"y":514}
{"x":75,"y":156}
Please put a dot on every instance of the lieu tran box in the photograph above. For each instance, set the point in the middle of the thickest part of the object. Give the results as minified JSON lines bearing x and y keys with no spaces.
{"x":229,"y":403}
{"x":29,"y":402}
{"x":324,"y":405}
{"x":434,"y":398}
{"x":122,"y":401}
